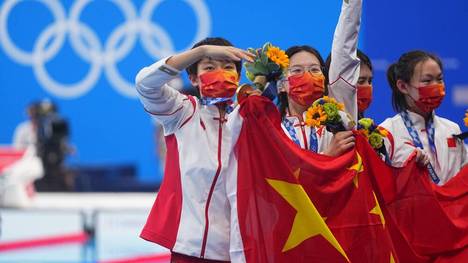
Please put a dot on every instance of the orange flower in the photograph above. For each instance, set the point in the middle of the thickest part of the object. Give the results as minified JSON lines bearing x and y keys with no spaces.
{"x":340,"y":106}
{"x":315,"y":116}
{"x":278,"y":56}
{"x":466,"y":119}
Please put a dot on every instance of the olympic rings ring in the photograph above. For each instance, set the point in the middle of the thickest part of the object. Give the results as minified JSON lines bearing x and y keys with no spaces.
{"x":155,"y":40}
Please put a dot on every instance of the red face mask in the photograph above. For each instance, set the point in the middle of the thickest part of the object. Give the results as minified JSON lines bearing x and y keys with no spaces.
{"x":364,"y":97}
{"x":430,"y":97}
{"x":306,"y":88}
{"x":219,"y":83}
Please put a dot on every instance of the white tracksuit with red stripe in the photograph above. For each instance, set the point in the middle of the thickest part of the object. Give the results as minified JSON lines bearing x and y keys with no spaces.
{"x":345,"y":65}
{"x":343,"y":74}
{"x":451,"y":153}
{"x":192,"y":213}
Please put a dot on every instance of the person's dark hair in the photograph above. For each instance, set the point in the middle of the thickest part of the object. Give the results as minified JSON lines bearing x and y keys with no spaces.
{"x":361,"y":55}
{"x":283,"y":96}
{"x":404,"y":69}
{"x":33,"y":110}
{"x":365,"y":60}
{"x":215,"y":41}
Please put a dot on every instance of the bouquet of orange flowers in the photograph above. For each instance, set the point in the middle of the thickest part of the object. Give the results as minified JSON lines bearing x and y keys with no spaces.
{"x":267,"y":68}
{"x":330,"y":113}
{"x":269,"y":64}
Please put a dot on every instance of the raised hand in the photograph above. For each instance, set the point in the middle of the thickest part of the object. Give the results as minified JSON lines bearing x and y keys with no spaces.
{"x":187,"y":58}
{"x":226,"y":53}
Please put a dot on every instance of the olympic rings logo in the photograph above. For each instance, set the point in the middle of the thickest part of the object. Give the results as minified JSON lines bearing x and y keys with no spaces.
{"x":119,"y":44}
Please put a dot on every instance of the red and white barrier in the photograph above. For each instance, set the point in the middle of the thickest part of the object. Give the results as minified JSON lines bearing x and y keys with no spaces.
{"x":74,"y":238}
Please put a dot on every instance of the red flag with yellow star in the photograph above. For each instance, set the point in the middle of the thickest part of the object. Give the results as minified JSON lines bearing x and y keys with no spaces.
{"x":297,"y":206}
{"x":428,"y":223}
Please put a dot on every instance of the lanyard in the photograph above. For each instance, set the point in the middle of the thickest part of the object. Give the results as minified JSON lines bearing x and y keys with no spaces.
{"x":417,"y":141}
{"x":212,"y":101}
{"x":289,"y":125}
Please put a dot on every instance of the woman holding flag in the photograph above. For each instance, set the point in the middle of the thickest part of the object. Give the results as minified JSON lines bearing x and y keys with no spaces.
{"x":191,"y":215}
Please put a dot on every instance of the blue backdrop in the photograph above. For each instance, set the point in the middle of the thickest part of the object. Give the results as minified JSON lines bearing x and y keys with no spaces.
{"x":84,"y":55}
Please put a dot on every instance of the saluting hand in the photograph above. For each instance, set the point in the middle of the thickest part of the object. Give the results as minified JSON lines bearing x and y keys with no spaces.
{"x":226,"y":53}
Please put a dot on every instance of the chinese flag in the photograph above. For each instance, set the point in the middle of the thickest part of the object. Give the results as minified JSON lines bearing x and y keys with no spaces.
{"x":428,"y":223}
{"x":297,"y":206}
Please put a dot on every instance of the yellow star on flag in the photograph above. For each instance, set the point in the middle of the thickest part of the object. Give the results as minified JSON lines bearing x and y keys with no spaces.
{"x":377,"y":211}
{"x":358,"y":167}
{"x":308,"y":221}
{"x":392,"y":259}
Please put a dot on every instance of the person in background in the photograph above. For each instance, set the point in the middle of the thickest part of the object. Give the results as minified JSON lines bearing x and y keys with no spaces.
{"x":17,"y":179}
{"x":25,"y":134}
{"x":364,"y":87}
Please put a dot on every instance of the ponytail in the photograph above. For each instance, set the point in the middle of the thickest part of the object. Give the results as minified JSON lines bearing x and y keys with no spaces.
{"x":398,"y":98}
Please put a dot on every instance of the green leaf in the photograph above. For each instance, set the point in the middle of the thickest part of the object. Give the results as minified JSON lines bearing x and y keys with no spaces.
{"x":259,"y":68}
{"x":266,"y":46}
{"x":273,"y":67}
{"x":264,"y":59}
{"x":249,"y":75}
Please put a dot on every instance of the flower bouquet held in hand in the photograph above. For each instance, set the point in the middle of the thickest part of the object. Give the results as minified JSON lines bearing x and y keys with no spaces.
{"x":462,"y":136}
{"x":328,"y":112}
{"x":374,"y":134}
{"x":267,"y":68}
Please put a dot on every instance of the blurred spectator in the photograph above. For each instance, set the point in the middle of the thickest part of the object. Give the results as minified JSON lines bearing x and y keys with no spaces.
{"x":26,"y":132}
{"x":17,"y":178}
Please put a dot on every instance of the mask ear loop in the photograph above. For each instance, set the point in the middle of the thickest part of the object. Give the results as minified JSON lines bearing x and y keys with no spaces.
{"x":415,"y":102}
